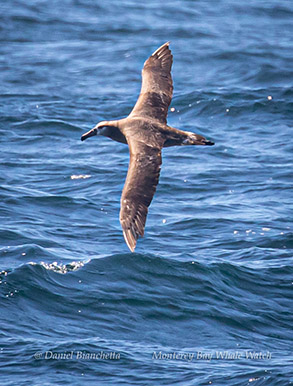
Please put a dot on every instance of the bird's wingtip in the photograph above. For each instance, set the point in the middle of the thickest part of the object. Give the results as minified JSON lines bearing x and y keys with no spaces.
{"x":163,"y":45}
{"x":130,"y":241}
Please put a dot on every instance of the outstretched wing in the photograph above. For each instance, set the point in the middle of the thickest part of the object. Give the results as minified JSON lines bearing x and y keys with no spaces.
{"x":139,"y":189}
{"x":157,"y":86}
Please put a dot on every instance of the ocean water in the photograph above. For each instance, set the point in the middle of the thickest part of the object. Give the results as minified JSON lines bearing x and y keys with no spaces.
{"x":207,"y":297}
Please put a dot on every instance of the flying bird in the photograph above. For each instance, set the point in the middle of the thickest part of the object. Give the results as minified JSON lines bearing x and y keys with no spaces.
{"x":146,"y":132}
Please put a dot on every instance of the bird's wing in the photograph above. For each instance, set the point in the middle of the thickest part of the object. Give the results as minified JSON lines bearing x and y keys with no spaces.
{"x":139,"y":189}
{"x":157,"y":86}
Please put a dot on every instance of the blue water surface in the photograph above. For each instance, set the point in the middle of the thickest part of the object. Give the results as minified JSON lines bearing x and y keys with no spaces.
{"x":207,"y":297}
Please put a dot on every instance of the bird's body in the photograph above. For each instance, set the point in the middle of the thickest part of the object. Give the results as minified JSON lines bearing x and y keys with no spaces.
{"x":146,"y":132}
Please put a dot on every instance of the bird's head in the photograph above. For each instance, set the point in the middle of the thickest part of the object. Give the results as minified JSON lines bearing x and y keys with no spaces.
{"x":95,"y":131}
{"x":197,"y":139}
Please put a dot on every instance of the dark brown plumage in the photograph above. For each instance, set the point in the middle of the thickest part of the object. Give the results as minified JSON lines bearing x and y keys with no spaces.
{"x":146,"y":132}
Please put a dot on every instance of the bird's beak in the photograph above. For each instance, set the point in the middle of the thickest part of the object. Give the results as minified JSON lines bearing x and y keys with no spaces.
{"x":200,"y":140}
{"x":208,"y":143}
{"x":90,"y":133}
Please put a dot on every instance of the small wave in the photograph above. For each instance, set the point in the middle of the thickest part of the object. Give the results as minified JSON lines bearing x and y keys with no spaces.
{"x":61,"y":268}
{"x":79,"y":176}
{"x":51,"y":125}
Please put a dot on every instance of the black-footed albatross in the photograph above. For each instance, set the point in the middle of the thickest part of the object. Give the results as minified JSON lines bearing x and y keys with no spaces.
{"x":146,"y":132}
